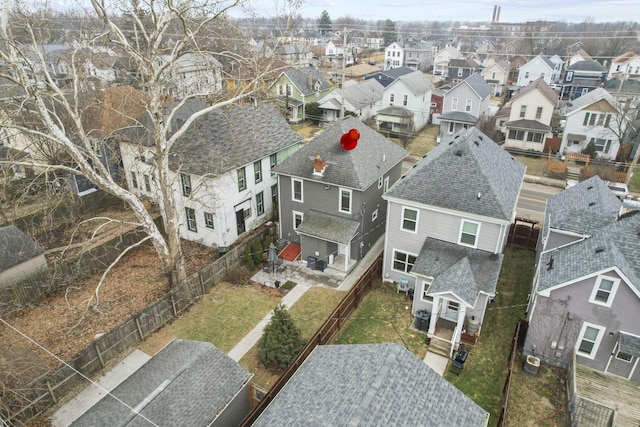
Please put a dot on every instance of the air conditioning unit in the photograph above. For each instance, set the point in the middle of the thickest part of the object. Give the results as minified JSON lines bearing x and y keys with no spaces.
{"x":531,"y":365}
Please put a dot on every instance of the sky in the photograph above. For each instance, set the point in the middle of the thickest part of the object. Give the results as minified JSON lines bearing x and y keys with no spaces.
{"x":473,"y":10}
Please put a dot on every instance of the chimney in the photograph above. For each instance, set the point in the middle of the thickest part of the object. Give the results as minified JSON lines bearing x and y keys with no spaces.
{"x":493,"y":17}
{"x":498,"y":14}
{"x":319,"y":165}
{"x":310,"y":80}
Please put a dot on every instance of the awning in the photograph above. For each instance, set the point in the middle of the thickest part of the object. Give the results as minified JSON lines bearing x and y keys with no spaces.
{"x":576,"y":137}
{"x":629,"y":344}
{"x":328,"y":227}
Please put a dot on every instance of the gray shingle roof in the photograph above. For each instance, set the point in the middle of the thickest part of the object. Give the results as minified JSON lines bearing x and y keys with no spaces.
{"x":457,"y":269}
{"x":300,"y":78}
{"x":417,"y":82}
{"x":202,"y":381}
{"x":385,"y":78}
{"x":359,"y":168}
{"x":396,"y":110}
{"x":369,"y":385}
{"x":453,"y":174}
{"x":224,"y":140}
{"x":357,"y":94}
{"x":590,"y":98}
{"x":16,"y":247}
{"x":479,"y":86}
{"x":328,"y":227}
{"x":586,"y":66}
{"x":629,"y":344}
{"x":540,"y":85}
{"x":459,"y":116}
{"x":528,"y":124}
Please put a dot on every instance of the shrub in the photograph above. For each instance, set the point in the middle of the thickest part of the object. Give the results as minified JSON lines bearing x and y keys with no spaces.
{"x":248,"y":258}
{"x":281,"y":340}
{"x":258,"y":258}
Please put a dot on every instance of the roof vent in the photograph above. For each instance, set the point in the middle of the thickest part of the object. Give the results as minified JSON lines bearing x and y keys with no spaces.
{"x":477,"y":143}
{"x":459,"y":153}
{"x":599,"y":249}
{"x":479,"y":195}
{"x":451,"y":142}
{"x":590,"y":187}
{"x":592,"y":203}
{"x":550,"y":264}
{"x":456,"y":137}
{"x":480,"y":138}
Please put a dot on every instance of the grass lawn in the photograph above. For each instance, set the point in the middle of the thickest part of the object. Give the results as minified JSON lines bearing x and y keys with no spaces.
{"x":223,"y":317}
{"x":384,"y":316}
{"x":535,"y":165}
{"x":309,"y":312}
{"x":424,"y":142}
{"x":634,"y":183}
{"x":486,"y":368}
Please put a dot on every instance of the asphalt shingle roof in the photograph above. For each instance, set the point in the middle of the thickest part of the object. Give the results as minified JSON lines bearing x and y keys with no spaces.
{"x":586,"y":66}
{"x":417,"y":82}
{"x":16,"y":247}
{"x":329,"y":227}
{"x":385,"y":78}
{"x":202,"y":381}
{"x":629,"y":344}
{"x":223,"y":140}
{"x":458,"y":269}
{"x":453,"y":174}
{"x":459,"y":116}
{"x":479,"y":86}
{"x":300,"y":78}
{"x":540,"y":85}
{"x":590,"y":98}
{"x":369,"y":385}
{"x":359,"y":168}
{"x":528,"y":124}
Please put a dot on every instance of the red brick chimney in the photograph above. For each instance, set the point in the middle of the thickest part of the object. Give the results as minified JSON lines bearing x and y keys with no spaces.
{"x":319,"y":165}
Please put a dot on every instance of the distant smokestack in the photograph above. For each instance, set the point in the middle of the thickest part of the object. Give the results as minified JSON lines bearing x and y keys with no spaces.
{"x":493,"y":17}
{"x":498,"y":14}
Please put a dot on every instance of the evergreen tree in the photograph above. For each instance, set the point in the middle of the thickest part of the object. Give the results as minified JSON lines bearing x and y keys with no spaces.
{"x":256,"y":252}
{"x":313,"y":112}
{"x":324,"y":23}
{"x":389,"y":33}
{"x":248,"y":257}
{"x":590,"y":149}
{"x":281,"y":340}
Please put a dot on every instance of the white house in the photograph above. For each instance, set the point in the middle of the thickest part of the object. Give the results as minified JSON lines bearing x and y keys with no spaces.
{"x":593,"y":117}
{"x":547,"y":67}
{"x":393,"y":56}
{"x":625,"y":66}
{"x":361,"y":98}
{"x":193,"y":72}
{"x":221,"y":167}
{"x":496,"y":74}
{"x":412,"y":93}
{"x":442,"y":58}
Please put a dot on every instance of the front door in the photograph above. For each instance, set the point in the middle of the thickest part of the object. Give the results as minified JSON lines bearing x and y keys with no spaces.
{"x":240,"y":221}
{"x":450,"y":311}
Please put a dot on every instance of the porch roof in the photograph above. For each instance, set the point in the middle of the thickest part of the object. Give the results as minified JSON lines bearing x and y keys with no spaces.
{"x":456,"y":269}
{"x":629,"y":344}
{"x":328,"y":227}
{"x":528,"y":125}
{"x":459,"y":116}
{"x":292,"y":102}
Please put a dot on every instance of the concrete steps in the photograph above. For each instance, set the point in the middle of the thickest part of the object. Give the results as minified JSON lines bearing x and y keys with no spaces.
{"x":439,"y":347}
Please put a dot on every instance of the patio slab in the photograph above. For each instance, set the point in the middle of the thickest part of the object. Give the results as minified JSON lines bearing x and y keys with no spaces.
{"x":436,"y":362}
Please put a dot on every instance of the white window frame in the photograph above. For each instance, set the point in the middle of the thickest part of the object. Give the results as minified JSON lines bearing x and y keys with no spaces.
{"x":294,"y":215}
{"x":392,"y":97}
{"x":415,"y":222}
{"x":260,"y":203}
{"x":596,"y":343}
{"x":454,"y":104}
{"x":539,"y":113}
{"x":386,"y":184}
{"x":406,"y":263}
{"x":257,"y":171}
{"x":523,"y":111}
{"x":477,"y":235}
{"x":612,"y":293}
{"x":208,"y":220}
{"x":147,"y":182}
{"x":426,"y":285}
{"x":190,"y":220}
{"x":468,"y":105}
{"x":451,"y":128}
{"x":134,"y":179}
{"x":242,"y":179}
{"x":185,"y":180}
{"x":617,"y":356}
{"x":341,"y":208}
{"x":293,"y":190}
{"x":405,"y":100}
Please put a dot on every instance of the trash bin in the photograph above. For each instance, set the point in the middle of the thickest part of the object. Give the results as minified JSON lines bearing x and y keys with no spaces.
{"x":422,"y":320}
{"x":320,"y":265}
{"x":311,"y":262}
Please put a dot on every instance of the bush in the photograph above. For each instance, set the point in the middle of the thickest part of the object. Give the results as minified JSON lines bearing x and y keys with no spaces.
{"x":281,"y":340}
{"x":248,"y":258}
{"x":590,"y":149}
{"x":258,"y":258}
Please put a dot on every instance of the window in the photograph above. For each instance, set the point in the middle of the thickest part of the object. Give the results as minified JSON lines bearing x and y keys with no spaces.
{"x":459,"y":72}
{"x":134,"y":180}
{"x":452,"y":127}
{"x":604,"y":291}
{"x":186,"y":184}
{"x":260,"y":203}
{"x":296,"y":190}
{"x":589,"y":340}
{"x":403,"y":261}
{"x":523,"y":111}
{"x":607,"y":120}
{"x":257,"y":171}
{"x":273,"y":161}
{"x":392,"y":97}
{"x":208,"y":220}
{"x":405,"y":100}
{"x":602,"y":145}
{"x":274,"y":194}
{"x":538,"y":113}
{"x":526,"y":75}
{"x":190,"y":215}
{"x":242,"y":179}
{"x":624,"y":356}
{"x":468,"y":104}
{"x":380,"y":179}
{"x":374,"y":215}
{"x":469,"y":233}
{"x":534,"y":137}
{"x":386,"y":184}
{"x":147,"y":183}
{"x":345,"y":201}
{"x":454,"y":104}
{"x":600,"y":120}
{"x":409,"y":220}
{"x":590,"y":119}
{"x":297,"y":219}
{"x":516,"y":134}
{"x":426,"y":286}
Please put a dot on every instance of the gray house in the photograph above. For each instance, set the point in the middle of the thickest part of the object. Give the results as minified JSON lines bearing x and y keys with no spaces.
{"x":447,"y":224}
{"x":586,"y":291}
{"x":331,"y":198}
{"x":187,"y":383}
{"x":369,"y":385}
{"x":464,"y":105}
{"x":20,"y":257}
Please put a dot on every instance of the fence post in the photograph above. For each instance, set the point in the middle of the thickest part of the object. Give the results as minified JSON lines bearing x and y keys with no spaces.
{"x":201,"y":283}
{"x":96,"y":347}
{"x":53,"y":396}
{"x":173,"y":305}
{"x":137,"y":319}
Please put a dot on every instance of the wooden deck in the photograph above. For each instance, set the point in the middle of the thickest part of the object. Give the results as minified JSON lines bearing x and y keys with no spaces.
{"x":612,"y":391}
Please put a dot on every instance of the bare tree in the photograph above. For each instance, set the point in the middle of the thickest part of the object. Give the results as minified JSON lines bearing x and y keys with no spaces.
{"x":143,"y":31}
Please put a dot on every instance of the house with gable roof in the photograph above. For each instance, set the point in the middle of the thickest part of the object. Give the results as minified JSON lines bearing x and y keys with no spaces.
{"x":582,"y":77}
{"x":464,"y":105}
{"x":221,"y":166}
{"x":295,"y":88}
{"x":585,"y":299}
{"x":545,"y":66}
{"x":442,"y":58}
{"x":595,"y":116}
{"x":186,"y":383}
{"x":447,"y":225}
{"x":406,"y":103}
{"x":385,"y":78}
{"x":460,"y":69}
{"x":496,"y":74}
{"x":625,"y":66}
{"x":20,"y":256}
{"x":330,"y":199}
{"x":529,"y":118}
{"x":369,"y":385}
{"x":361,"y":98}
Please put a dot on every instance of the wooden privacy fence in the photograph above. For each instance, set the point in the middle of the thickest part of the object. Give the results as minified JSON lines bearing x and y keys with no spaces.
{"x":524,"y":233}
{"x":324,"y":335}
{"x":507,"y":384}
{"x":46,"y":390}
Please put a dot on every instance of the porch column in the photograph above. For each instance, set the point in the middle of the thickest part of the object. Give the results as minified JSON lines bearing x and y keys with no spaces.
{"x":461,"y":315}
{"x":435,"y":314}
{"x":346,"y":258}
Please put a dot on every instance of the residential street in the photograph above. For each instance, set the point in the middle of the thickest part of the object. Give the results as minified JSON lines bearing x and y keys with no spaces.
{"x":532,"y":200}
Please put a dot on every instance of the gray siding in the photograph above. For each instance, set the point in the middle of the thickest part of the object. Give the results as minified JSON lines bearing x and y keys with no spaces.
{"x":462,"y":92}
{"x":559,"y":239}
{"x":236,"y":410}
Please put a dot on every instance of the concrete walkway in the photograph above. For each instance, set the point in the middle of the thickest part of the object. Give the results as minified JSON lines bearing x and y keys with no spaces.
{"x":254,"y":335}
{"x":436,"y":362}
